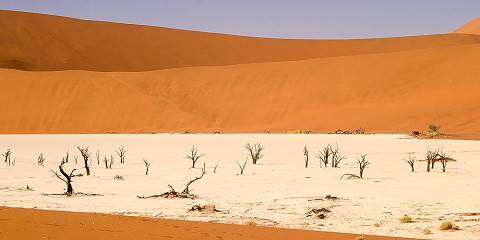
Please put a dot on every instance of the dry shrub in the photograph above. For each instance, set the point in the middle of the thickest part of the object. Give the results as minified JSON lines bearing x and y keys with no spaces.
{"x":447,"y":225}
{"x":377,"y":225}
{"x":361,"y":238}
{"x":208,"y":208}
{"x":118,"y":177}
{"x":251,"y":223}
{"x":427,"y":231}
{"x":406,"y":219}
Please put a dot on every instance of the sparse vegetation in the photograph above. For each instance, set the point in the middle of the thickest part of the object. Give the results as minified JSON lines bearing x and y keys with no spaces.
{"x":255,"y":151}
{"x":147,"y":166}
{"x":121,"y":152}
{"x":434,"y":129}
{"x":86,"y":155}
{"x":427,"y":231}
{"x":194,"y":156}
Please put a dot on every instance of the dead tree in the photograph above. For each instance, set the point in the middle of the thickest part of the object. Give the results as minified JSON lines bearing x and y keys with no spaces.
{"x":147,"y":166}
{"x":443,"y":158}
{"x":324,"y":155}
{"x":67,"y":178}
{"x":7,"y":155}
{"x":255,"y":151}
{"x":411,"y":161}
{"x":121,"y":154}
{"x":174,"y":194}
{"x":194,"y":156}
{"x":105,"y":160}
{"x":336,"y":156}
{"x":86,"y":156}
{"x":40,"y":159}
{"x":186,"y":190}
{"x":215,"y":168}
{"x":431,"y":158}
{"x":108,"y":162}
{"x":242,"y":167}
{"x":97,"y":155}
{"x":305,"y":153}
{"x":362,"y":164}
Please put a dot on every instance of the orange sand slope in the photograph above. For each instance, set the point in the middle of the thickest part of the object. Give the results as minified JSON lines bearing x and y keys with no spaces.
{"x":40,"y":224}
{"x":388,"y":92}
{"x":41,"y":42}
{"x":204,"y":82}
{"x":472,"y":27}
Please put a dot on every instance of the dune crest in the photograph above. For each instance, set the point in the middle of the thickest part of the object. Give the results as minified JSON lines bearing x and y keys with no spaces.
{"x":40,"y":42}
{"x":472,"y":27}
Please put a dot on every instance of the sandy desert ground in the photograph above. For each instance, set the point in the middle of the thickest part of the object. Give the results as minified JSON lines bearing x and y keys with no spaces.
{"x":278,"y":191}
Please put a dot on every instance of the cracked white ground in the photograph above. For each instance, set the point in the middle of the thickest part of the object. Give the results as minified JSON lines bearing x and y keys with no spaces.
{"x":278,"y":191}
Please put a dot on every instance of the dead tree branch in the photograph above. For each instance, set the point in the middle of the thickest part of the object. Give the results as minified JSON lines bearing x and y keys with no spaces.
{"x":40,"y":159}
{"x":305,"y":153}
{"x":336,"y":156}
{"x":242,"y":167}
{"x":147,"y":166}
{"x":7,"y":155}
{"x":194,"y":156}
{"x":411,"y":161}
{"x":255,"y":151}
{"x":324,"y":155}
{"x":362,"y":164}
{"x":172,"y":193}
{"x":86,"y":155}
{"x":66,"y":178}
{"x":121,"y":152}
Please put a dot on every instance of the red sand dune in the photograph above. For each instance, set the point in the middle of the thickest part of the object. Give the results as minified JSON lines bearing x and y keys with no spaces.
{"x":256,"y":85}
{"x":32,"y":224}
{"x":42,"y":43}
{"x":389,"y":92}
{"x":472,"y":27}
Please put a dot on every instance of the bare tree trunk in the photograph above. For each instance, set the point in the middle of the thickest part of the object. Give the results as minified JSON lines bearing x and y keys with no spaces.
{"x":86,"y":156}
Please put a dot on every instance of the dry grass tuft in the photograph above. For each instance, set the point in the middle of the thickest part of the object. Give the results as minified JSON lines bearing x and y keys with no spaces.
{"x":447,"y":225}
{"x":427,"y":231}
{"x":406,"y":219}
